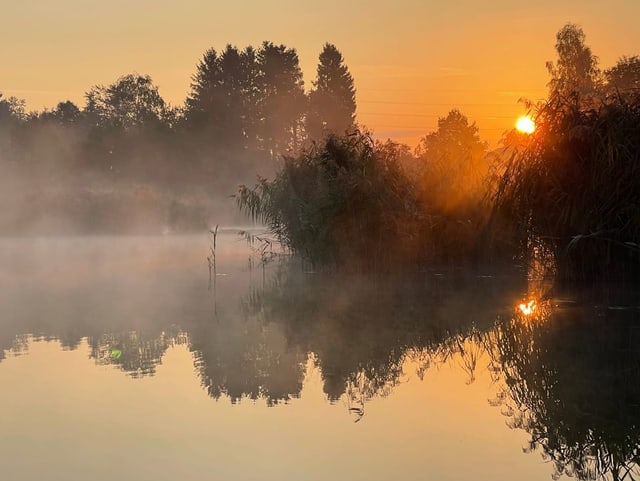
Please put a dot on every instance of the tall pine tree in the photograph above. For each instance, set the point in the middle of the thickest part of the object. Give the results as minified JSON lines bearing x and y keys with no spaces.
{"x":223,"y":100}
{"x":281,"y":99}
{"x":332,"y":102}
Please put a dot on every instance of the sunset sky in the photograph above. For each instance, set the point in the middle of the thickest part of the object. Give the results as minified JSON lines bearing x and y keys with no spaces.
{"x":412,"y":60}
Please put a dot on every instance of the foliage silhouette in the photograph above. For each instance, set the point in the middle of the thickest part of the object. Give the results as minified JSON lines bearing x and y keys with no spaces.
{"x":571,"y":381}
{"x":575,"y":74}
{"x":332,"y":101}
{"x":345,"y":202}
{"x":571,"y":188}
{"x":623,"y":79}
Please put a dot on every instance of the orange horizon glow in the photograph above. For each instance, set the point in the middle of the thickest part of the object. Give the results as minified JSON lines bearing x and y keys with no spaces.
{"x":412,"y":62}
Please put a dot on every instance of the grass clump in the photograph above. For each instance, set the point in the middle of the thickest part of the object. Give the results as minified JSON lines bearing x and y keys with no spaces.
{"x":573,"y":189}
{"x":345,"y":202}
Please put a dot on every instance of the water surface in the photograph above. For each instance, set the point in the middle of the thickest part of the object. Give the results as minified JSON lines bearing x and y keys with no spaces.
{"x":125,"y":358}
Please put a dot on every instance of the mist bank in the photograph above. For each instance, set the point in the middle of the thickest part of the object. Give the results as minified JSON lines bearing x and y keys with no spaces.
{"x":128,"y":161}
{"x":96,"y":204}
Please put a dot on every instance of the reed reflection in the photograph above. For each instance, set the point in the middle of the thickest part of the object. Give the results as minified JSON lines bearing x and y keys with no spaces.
{"x":361,"y":331}
{"x":358,"y":332}
{"x":571,"y":379}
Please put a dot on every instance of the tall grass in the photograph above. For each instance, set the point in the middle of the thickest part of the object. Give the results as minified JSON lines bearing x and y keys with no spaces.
{"x":573,"y":189}
{"x":345,"y":202}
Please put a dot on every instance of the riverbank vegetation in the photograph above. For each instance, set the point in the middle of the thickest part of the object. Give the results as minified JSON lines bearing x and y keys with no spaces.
{"x":568,"y":193}
{"x":572,"y":188}
{"x":128,"y":161}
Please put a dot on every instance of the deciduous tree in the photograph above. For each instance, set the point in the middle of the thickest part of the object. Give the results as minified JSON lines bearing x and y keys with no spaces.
{"x":575,"y":73}
{"x":624,"y":77}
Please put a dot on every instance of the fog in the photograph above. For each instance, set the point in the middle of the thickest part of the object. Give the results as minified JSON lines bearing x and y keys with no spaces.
{"x":51,"y":185}
{"x":250,"y":330}
{"x":128,"y":162}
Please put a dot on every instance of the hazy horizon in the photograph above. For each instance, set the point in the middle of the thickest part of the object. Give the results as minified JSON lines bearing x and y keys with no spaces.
{"x":412,"y":62}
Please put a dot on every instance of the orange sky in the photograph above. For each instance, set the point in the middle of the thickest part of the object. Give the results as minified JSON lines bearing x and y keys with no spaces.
{"x":412,"y":60}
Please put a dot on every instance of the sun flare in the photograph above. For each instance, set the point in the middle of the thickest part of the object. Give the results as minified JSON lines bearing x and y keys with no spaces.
{"x":525,"y":124}
{"x":528,"y":308}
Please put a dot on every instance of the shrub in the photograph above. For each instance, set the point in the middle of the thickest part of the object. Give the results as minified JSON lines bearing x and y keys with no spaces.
{"x":344,"y":202}
{"x":573,"y":188}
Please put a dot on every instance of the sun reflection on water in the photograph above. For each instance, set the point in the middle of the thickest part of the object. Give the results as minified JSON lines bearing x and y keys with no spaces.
{"x":528,"y":308}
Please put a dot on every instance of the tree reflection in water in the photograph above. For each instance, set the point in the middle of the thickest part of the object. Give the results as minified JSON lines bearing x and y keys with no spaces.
{"x":360,"y":331}
{"x":135,"y":352}
{"x":570,"y":374}
{"x":572,"y":380}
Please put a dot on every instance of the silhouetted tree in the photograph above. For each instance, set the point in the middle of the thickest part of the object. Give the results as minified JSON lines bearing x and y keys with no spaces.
{"x":332,"y":102}
{"x":132,"y":101}
{"x":12,"y":109}
{"x":12,"y":117}
{"x":281,"y":99}
{"x":452,"y":160}
{"x":222,"y":104}
{"x":128,"y":123}
{"x":66,"y":113}
{"x":452,"y":184}
{"x":624,"y":77}
{"x":576,"y":72}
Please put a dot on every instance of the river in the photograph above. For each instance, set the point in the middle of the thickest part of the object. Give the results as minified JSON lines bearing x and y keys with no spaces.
{"x":129,"y":358}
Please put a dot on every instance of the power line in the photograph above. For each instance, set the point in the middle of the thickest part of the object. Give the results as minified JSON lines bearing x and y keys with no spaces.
{"x":417,"y":114}
{"x":435,"y":104}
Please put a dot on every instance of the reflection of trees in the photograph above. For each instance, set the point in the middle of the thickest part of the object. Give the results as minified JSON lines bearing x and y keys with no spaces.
{"x":359,"y":332}
{"x":137,"y":353}
{"x":362,"y":330}
{"x":572,"y":380}
{"x":247,"y":359}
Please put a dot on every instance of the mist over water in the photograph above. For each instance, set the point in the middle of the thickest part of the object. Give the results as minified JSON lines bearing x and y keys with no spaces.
{"x":400,"y":311}
{"x":305,"y":375}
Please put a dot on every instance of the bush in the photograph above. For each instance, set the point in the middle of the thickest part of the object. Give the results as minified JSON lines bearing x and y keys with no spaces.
{"x":344,"y":202}
{"x":573,"y":189}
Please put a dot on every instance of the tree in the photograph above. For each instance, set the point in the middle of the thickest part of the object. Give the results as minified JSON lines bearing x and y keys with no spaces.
{"x":12,"y":116}
{"x":132,"y":101}
{"x":128,"y":121}
{"x":576,"y":72}
{"x":624,"y":77}
{"x":332,"y":102}
{"x":282,"y":100}
{"x":67,"y":112}
{"x":223,"y":98}
{"x":453,"y":162}
{"x":12,"y":110}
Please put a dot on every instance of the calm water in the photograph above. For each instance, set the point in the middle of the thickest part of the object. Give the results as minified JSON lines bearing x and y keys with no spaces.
{"x":119,"y":360}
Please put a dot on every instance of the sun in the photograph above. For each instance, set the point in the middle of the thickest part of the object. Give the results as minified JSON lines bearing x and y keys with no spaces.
{"x":525,"y":124}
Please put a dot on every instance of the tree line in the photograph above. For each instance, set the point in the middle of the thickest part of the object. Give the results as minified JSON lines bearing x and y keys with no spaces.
{"x":245,"y":109}
{"x":571,"y":190}
{"x":250,"y":100}
{"x":568,"y":193}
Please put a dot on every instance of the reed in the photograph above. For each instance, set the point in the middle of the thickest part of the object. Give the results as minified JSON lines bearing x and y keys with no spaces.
{"x":345,"y":202}
{"x":573,"y":189}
